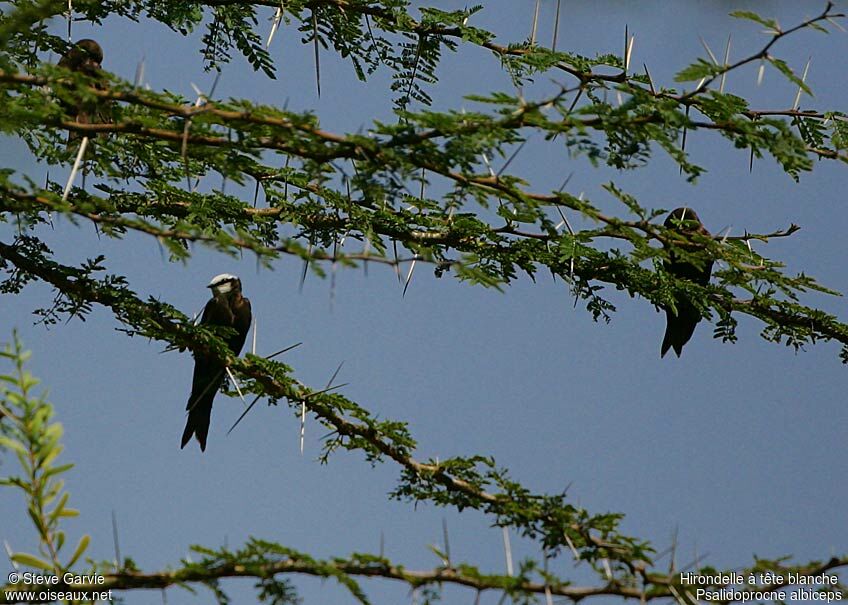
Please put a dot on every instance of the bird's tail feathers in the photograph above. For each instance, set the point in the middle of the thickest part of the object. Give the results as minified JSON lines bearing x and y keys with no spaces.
{"x":197,"y":424}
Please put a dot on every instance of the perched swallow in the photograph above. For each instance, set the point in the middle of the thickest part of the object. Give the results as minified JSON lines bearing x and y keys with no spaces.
{"x":230,"y":309}
{"x":86,"y":57}
{"x":681,"y":321}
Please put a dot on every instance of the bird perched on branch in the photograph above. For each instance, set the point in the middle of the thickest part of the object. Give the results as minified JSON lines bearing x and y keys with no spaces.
{"x":681,"y":321}
{"x":86,"y":57}
{"x":227,"y":308}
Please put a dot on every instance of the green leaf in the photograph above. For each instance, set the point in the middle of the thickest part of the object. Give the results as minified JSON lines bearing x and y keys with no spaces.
{"x":12,"y":445}
{"x":751,"y":16}
{"x":83,"y":544}
{"x":786,"y":71}
{"x":696,"y":71}
{"x":59,"y":509}
{"x":57,"y":470}
{"x":31,"y":561}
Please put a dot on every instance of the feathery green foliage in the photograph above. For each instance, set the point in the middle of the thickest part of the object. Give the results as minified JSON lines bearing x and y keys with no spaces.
{"x":321,"y":187}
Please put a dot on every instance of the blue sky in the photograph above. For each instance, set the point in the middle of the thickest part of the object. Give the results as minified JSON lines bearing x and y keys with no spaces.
{"x":740,"y":448}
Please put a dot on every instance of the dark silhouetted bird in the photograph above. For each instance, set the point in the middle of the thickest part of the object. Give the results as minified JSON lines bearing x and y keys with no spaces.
{"x":86,"y":57}
{"x":230,"y":309}
{"x":681,"y":321}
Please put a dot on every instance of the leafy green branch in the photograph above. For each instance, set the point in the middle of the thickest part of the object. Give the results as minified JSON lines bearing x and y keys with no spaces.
{"x":28,"y":432}
{"x":27,"y":429}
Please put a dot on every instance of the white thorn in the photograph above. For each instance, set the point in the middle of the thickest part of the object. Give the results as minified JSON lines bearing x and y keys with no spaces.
{"x":409,"y":274}
{"x":255,"y":329}
{"x":800,"y":89}
{"x":139,"y":74}
{"x":75,"y":169}
{"x":277,"y":17}
{"x":650,"y":79}
{"x":726,"y":63}
{"x":836,"y":24}
{"x":302,"y":424}
{"x":235,"y":384}
{"x":9,"y":552}
{"x":197,"y":91}
{"x":629,"y":52}
{"x":488,"y":165}
{"x":507,"y":551}
{"x":709,"y":50}
{"x":535,"y":23}
{"x":761,"y":72}
{"x":571,"y":546}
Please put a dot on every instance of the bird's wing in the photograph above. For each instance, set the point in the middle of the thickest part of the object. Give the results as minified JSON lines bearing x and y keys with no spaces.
{"x":217,"y":313}
{"x":242,"y":318}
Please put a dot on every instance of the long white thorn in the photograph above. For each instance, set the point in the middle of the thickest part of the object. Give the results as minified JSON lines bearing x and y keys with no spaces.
{"x":409,"y":275}
{"x":317,"y":54}
{"x":709,"y":50}
{"x":507,"y":551}
{"x":277,"y":17}
{"x":115,"y":541}
{"x":573,"y":549}
{"x":139,"y":73}
{"x":556,"y":26}
{"x":761,"y":72}
{"x":650,"y":79}
{"x":236,"y":385}
{"x":836,"y":24}
{"x":726,"y":63}
{"x":629,"y":54}
{"x":535,"y":23}
{"x":10,"y":553}
{"x":75,"y":169}
{"x":800,"y":88}
{"x":302,"y":424}
{"x":255,"y":330}
{"x":488,"y":165}
{"x":366,"y":250}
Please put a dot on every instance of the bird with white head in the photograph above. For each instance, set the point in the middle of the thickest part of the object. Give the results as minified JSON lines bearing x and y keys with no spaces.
{"x":229,"y":309}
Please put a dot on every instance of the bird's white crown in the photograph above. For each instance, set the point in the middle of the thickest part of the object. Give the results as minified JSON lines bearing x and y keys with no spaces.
{"x":222,"y":283}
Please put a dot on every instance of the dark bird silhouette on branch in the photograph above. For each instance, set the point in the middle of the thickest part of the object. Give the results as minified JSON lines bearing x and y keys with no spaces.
{"x":227,"y":308}
{"x":86,"y":58}
{"x":682,"y":319}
